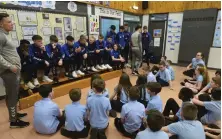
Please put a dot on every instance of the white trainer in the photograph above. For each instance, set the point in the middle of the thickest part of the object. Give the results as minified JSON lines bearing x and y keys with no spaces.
{"x":88,"y":68}
{"x":47,"y":79}
{"x":93,"y":69}
{"x":108,"y":66}
{"x":80,"y":72}
{"x":30,"y":85}
{"x":104,"y":67}
{"x":36,"y":82}
{"x":99,"y":68}
{"x":74,"y":74}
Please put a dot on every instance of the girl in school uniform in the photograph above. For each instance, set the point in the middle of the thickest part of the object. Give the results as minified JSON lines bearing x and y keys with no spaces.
{"x":144,"y":95}
{"x":215,"y":82}
{"x":117,"y":59}
{"x":202,"y":80}
{"x":192,"y":66}
{"x":91,"y":92}
{"x":121,"y":91}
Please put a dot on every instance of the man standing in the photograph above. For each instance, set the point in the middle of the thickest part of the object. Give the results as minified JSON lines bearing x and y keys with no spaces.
{"x":146,"y":39}
{"x":127,"y":37}
{"x":136,"y":40}
{"x":10,"y":71}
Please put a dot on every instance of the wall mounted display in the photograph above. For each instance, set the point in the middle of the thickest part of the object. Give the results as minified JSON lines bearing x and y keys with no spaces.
{"x":80,"y":23}
{"x":157,"y":33}
{"x":58,"y":20}
{"x":58,"y":32}
{"x":93,"y":24}
{"x":47,"y":31}
{"x":45,"y":16}
{"x":27,"y":18}
{"x":72,"y":6}
{"x":67,"y":24}
{"x":29,"y":31}
{"x":42,"y":4}
{"x":217,"y":33}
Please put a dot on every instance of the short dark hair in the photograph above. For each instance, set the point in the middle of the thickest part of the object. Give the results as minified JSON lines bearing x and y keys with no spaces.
{"x":101,"y":36}
{"x":109,"y":36}
{"x":169,"y":62}
{"x":126,"y":24}
{"x":82,"y":37}
{"x":155,"y":120}
{"x":134,"y":93}
{"x":217,"y":80}
{"x":141,"y":80}
{"x":75,"y":94}
{"x":3,"y":15}
{"x":36,"y":38}
{"x":216,"y":93}
{"x":189,"y":111}
{"x":54,"y":38}
{"x":218,"y":72}
{"x":22,"y":42}
{"x":113,"y":27}
{"x":185,"y":94}
{"x":121,"y":27}
{"x":93,"y":77}
{"x":69,"y":38}
{"x":45,"y":90}
{"x":98,"y":85}
{"x":144,"y":27}
{"x":163,"y":63}
{"x":138,"y":27}
{"x":154,"y":87}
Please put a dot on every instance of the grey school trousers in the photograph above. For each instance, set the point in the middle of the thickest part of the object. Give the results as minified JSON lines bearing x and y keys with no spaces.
{"x":11,"y":83}
{"x":136,"y":58}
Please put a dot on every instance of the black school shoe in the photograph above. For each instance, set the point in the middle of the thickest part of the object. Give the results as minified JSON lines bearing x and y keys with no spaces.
{"x":19,"y":124}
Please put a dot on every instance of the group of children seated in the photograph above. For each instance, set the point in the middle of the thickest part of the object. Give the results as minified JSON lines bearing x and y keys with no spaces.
{"x":76,"y":57}
{"x":142,"y":115}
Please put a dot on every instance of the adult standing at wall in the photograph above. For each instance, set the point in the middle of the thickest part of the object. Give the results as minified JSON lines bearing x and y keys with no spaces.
{"x":10,"y":71}
{"x":136,"y":40}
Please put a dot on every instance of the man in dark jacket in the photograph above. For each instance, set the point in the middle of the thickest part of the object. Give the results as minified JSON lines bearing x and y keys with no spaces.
{"x":146,"y":39}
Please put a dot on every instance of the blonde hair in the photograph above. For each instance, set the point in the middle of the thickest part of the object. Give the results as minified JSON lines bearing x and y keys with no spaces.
{"x":203,"y":71}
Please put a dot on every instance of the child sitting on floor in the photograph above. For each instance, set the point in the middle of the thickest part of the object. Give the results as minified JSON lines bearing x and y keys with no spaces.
{"x":91,"y":92}
{"x":76,"y":125}
{"x":213,"y":107}
{"x":188,"y":128}
{"x":155,"y":121}
{"x":150,"y":76}
{"x":122,"y":92}
{"x":185,"y":95}
{"x":155,"y":102}
{"x":98,"y":108}
{"x":47,"y":116}
{"x":169,"y":62}
{"x":215,"y":82}
{"x":132,"y":115}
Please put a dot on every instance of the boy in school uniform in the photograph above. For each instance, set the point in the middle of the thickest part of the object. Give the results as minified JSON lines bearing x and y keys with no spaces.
{"x":155,"y":121}
{"x":47,"y":116}
{"x":120,"y":40}
{"x":112,"y":33}
{"x":132,"y":115}
{"x":76,"y":125}
{"x":55,"y":54}
{"x":154,"y":88}
{"x":81,"y":56}
{"x":150,"y":76}
{"x":188,"y":128}
{"x":117,"y":59}
{"x":27,"y":65}
{"x":98,"y":108}
{"x":213,"y":107}
{"x":169,"y":62}
{"x":38,"y":54}
{"x":69,"y":57}
{"x":101,"y":53}
{"x":92,"y":54}
{"x":146,"y":39}
{"x":127,"y":37}
{"x":163,"y":75}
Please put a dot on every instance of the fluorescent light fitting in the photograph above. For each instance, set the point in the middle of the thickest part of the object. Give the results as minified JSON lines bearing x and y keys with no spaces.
{"x":135,"y":7}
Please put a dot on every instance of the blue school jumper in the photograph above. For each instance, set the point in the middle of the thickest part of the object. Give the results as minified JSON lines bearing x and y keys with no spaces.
{"x":82,"y":46}
{"x":127,"y":37}
{"x":92,"y":47}
{"x":146,"y":39}
{"x":113,"y":36}
{"x":100,"y":45}
{"x":37,"y":55}
{"x":24,"y":60}
{"x":69,"y":51}
{"x":115,"y":53}
{"x":54,"y":54}
{"x":120,"y":40}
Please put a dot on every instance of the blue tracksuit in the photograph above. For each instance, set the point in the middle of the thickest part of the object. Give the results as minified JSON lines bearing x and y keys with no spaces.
{"x":92,"y":47}
{"x":120,"y":39}
{"x":127,"y":36}
{"x":54,"y":54}
{"x":109,"y":44}
{"x":25,"y":60}
{"x":69,"y":51}
{"x":83,"y":47}
{"x":37,"y":55}
{"x":146,"y":39}
{"x":100,"y":45}
{"x":113,"y":36}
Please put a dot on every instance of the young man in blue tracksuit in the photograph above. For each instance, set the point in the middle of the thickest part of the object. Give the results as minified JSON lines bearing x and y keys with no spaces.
{"x":101,"y":52}
{"x":69,"y":57}
{"x":55,"y":54}
{"x":92,"y":54}
{"x":109,"y":48}
{"x":40,"y":58}
{"x":146,"y":39}
{"x":112,"y":33}
{"x":120,"y":40}
{"x":81,"y":54}
{"x":127,"y":37}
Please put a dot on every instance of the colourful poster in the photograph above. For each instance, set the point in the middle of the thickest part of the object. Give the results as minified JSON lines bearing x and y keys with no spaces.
{"x":217,"y":33}
{"x":93,"y":24}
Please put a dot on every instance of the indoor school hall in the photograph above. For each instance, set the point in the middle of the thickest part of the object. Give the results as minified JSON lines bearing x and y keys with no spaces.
{"x":110,"y":69}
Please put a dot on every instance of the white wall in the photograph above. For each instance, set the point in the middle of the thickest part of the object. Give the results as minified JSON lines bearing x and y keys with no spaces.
{"x":145,"y":21}
{"x":214,"y":60}
{"x":173,"y":37}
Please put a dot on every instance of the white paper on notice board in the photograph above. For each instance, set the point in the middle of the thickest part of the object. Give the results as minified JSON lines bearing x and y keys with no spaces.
{"x":27,"y":18}
{"x":29,"y":31}
{"x":156,"y":42}
{"x":80,"y":23}
{"x":47,"y":31}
